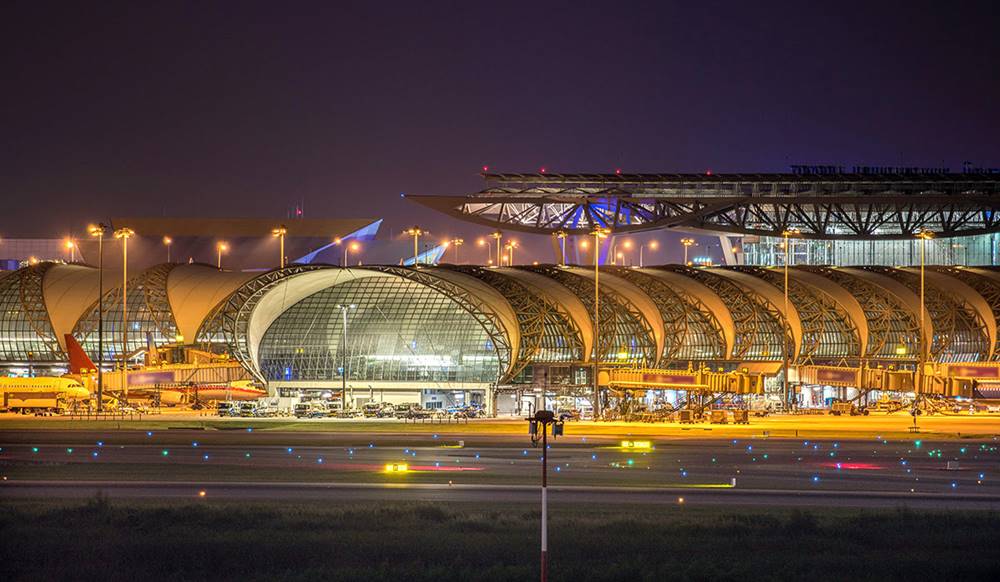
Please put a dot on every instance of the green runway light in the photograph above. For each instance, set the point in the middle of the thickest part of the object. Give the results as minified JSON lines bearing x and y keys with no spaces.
{"x":165,"y":452}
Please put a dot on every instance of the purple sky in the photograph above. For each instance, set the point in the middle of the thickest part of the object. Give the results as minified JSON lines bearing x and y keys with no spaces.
{"x":241,"y":108}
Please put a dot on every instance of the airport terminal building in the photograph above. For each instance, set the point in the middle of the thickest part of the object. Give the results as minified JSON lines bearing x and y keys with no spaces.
{"x":454,"y":335}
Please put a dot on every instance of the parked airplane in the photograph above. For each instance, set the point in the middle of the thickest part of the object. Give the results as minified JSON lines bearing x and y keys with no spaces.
{"x":164,"y":382}
{"x":43,"y":393}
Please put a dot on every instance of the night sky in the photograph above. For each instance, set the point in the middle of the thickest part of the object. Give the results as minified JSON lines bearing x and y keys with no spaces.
{"x":244,"y":108}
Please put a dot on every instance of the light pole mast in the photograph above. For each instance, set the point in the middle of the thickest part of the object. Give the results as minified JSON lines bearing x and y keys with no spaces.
{"x":924,"y":236}
{"x":652,"y":246}
{"x":687,"y":242}
{"x":416,"y":232}
{"x":787,"y":328}
{"x":98,"y":230}
{"x":498,"y":236}
{"x":124,"y":234}
{"x":561,"y":235}
{"x":343,"y":355}
{"x":167,"y":241}
{"x":598,"y":233}
{"x":280,"y":233}
{"x":456,"y":242}
{"x":540,"y":423}
{"x":221,"y":248}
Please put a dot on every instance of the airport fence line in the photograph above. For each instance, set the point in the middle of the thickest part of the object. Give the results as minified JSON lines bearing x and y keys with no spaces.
{"x":107,"y":415}
{"x":440,"y":420}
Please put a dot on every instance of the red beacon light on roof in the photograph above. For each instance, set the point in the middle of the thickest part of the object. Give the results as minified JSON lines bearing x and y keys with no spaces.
{"x":618,"y":171}
{"x":708,"y":172}
{"x":486,"y":169}
{"x":542,"y":170}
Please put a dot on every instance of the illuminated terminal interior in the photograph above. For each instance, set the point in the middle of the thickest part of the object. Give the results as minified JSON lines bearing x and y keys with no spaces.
{"x":500,"y":338}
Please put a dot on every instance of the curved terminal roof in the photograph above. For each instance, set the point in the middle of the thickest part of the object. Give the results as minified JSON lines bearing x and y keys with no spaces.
{"x":661,"y":316}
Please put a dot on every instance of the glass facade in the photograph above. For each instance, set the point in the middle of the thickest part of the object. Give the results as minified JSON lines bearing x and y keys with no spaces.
{"x":626,"y":337}
{"x":759,"y":329}
{"x":827,"y":330}
{"x":967,"y":250}
{"x":397,"y":331}
{"x":148,"y":314}
{"x":691,"y":332}
{"x":25,"y":331}
{"x":959,"y":331}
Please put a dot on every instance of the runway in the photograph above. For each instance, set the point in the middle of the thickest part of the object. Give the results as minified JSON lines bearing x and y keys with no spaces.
{"x":178,"y":464}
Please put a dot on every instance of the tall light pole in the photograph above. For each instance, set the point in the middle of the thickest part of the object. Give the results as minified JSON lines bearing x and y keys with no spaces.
{"x":652,"y":246}
{"x":220,"y":248}
{"x":353,"y":246}
{"x":511,"y":245}
{"x":924,"y":236}
{"x":167,"y":241}
{"x":455,"y":243}
{"x":124,"y":234}
{"x":792,"y":231}
{"x":416,"y":233}
{"x":485,"y":242}
{"x":71,"y":247}
{"x":598,"y":234}
{"x":343,"y":353}
{"x":498,"y":236}
{"x":540,"y":424}
{"x":98,"y":230}
{"x":280,"y":233}
{"x":687,"y":242}
{"x":561,"y":235}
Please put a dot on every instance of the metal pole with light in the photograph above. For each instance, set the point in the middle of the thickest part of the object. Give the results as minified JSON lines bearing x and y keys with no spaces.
{"x":788,"y":328}
{"x":511,"y":245}
{"x":924,"y":236}
{"x":598,"y":234}
{"x":98,"y":230}
{"x":498,"y":236}
{"x":71,"y":247}
{"x":416,"y":232}
{"x":687,"y":242}
{"x":124,"y":234}
{"x":561,"y":235}
{"x":652,"y":246}
{"x":343,"y":353}
{"x":489,"y":249}
{"x":220,"y":248}
{"x":455,"y":243}
{"x":167,"y":241}
{"x":538,"y":427}
{"x":280,"y":233}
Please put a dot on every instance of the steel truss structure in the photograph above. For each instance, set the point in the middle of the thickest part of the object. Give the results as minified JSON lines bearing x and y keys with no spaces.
{"x":986,"y":287}
{"x":149,"y":312}
{"x":759,"y":326}
{"x":893,"y":331}
{"x":828,"y":333}
{"x":230,"y":318}
{"x":691,"y":331}
{"x":626,"y":336}
{"x":27,"y":333}
{"x":821,"y":206}
{"x":959,"y":330}
{"x":480,"y":310}
{"x":548,"y":333}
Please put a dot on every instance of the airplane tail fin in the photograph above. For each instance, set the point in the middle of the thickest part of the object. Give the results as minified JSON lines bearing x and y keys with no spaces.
{"x":152,"y":354}
{"x":79,"y":361}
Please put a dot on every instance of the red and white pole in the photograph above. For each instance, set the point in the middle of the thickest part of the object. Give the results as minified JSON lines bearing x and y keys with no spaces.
{"x":545,"y":503}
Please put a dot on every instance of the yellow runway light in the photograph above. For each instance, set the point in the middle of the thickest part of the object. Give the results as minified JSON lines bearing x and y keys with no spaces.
{"x":637,"y":445}
{"x":396,"y":468}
